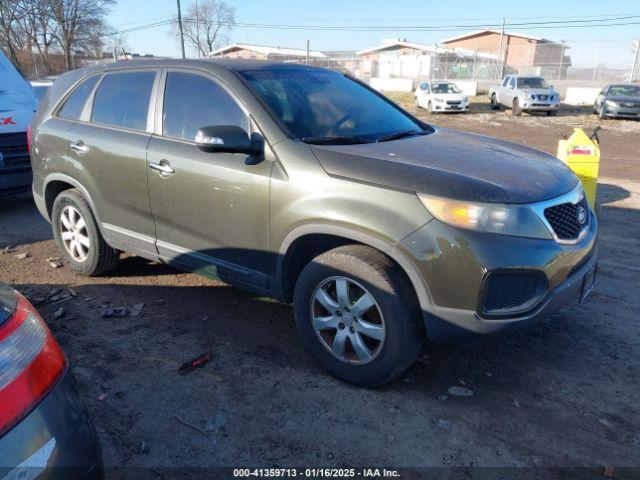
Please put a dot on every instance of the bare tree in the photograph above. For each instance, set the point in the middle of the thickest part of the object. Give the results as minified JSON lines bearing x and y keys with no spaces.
{"x":80,"y":24}
{"x":10,"y":38}
{"x":207,"y":25}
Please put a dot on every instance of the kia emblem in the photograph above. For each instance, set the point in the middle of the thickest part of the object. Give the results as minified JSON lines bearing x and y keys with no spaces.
{"x":582,"y":215}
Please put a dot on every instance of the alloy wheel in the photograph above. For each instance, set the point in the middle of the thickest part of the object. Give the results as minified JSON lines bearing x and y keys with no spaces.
{"x":73,"y":230}
{"x":347,"y":320}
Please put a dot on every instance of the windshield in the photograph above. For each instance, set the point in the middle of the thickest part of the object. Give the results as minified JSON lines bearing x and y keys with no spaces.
{"x":318,"y":105}
{"x":532,"y":82}
{"x":446,"y":88}
{"x":624,"y":90}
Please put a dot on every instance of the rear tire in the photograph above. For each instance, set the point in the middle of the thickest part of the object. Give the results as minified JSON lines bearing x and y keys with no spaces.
{"x":516,"y":111}
{"x":333,"y":328}
{"x":78,"y":237}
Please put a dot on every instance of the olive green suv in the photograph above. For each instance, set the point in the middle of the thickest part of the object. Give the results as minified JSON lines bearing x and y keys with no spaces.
{"x":305,"y":185}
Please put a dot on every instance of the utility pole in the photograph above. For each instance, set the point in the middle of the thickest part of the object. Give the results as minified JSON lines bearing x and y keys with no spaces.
{"x":307,"y":52}
{"x":596,"y":60}
{"x":636,"y":57}
{"x":198,"y":28}
{"x":181,"y":31}
{"x":502,"y":59}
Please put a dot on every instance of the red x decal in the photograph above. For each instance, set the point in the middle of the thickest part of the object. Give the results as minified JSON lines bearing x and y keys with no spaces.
{"x":7,"y":121}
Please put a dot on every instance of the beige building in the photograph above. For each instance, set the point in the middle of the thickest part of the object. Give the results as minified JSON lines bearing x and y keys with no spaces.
{"x":523,"y":53}
{"x":262,"y":52}
{"x":398,"y":58}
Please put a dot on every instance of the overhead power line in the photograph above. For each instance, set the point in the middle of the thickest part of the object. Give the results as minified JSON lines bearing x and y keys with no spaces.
{"x":599,"y":22}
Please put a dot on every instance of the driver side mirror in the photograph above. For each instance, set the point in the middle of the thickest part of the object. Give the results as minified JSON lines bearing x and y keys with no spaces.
{"x":228,"y":139}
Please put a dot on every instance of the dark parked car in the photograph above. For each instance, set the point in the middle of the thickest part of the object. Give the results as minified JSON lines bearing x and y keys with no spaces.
{"x":45,"y":431}
{"x":618,"y":100}
{"x":306,"y":185}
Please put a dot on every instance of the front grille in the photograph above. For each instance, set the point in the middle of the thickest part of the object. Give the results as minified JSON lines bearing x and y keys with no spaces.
{"x":513,"y":292}
{"x":14,"y":154}
{"x":568,"y":219}
{"x":454,"y":102}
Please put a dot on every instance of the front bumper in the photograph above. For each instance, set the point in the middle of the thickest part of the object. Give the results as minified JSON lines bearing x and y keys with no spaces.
{"x":14,"y":182}
{"x":444,"y":107}
{"x":623,"y":112}
{"x":55,"y":441}
{"x":539,"y":106}
{"x":454,"y":264}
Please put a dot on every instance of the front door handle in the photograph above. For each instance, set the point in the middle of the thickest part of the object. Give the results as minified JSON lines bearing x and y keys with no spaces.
{"x":164,"y":167}
{"x":79,"y":147}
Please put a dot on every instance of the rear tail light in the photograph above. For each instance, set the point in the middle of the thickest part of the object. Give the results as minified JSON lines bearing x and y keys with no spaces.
{"x":31,"y":362}
{"x":29,"y":139}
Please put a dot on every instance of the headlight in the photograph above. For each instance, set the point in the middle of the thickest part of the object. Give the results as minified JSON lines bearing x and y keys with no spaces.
{"x":505,"y":219}
{"x":529,"y":96}
{"x":611,"y":103}
{"x":438,"y":99}
{"x":465,"y":100}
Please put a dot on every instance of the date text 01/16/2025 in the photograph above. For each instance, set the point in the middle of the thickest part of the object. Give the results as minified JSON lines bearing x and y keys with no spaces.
{"x":315,"y":473}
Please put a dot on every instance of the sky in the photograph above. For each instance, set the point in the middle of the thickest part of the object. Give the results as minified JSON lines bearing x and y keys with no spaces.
{"x":614,"y":42}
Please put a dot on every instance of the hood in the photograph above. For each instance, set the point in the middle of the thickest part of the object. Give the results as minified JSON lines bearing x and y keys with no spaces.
{"x":539,"y":91}
{"x":451,"y":164}
{"x":17,"y":103}
{"x":450,"y":96}
{"x":7,"y":302}
{"x":15,"y":120}
{"x":624,"y":99}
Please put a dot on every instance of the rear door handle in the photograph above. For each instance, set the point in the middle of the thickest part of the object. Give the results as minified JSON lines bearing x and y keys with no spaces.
{"x":79,"y":147}
{"x":163,"y":168}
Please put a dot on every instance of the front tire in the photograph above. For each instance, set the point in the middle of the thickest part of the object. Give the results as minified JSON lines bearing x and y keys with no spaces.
{"x":416,"y":102}
{"x":516,"y":111}
{"x":603,"y":111}
{"x":430,"y":107}
{"x":494,"y":103}
{"x":357,"y":314}
{"x":78,"y":237}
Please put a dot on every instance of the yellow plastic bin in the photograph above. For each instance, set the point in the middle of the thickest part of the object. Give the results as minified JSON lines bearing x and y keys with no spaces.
{"x":582,"y":155}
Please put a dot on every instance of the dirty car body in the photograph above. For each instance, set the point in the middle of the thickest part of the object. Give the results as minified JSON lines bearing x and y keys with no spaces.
{"x":45,"y":430}
{"x":303,"y":182}
{"x":441,"y":96}
{"x":619,"y":100}
{"x":525,"y":93}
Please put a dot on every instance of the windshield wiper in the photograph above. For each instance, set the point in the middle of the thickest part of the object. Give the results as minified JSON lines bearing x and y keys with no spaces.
{"x":335,"y":140}
{"x":399,"y":135}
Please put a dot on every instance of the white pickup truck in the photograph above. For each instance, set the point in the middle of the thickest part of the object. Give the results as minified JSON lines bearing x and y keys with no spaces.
{"x":524,"y":93}
{"x":17,"y":106}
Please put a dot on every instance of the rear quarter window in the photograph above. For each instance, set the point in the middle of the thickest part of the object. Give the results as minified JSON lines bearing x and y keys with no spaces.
{"x":122,"y":100}
{"x":74,"y":104}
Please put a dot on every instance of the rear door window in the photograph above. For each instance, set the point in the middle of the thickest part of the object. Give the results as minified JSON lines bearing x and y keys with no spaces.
{"x":122,"y":100}
{"x":73,"y":106}
{"x":192,"y":101}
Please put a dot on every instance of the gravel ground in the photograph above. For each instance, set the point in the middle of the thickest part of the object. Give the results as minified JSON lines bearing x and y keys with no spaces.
{"x":561,"y":394}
